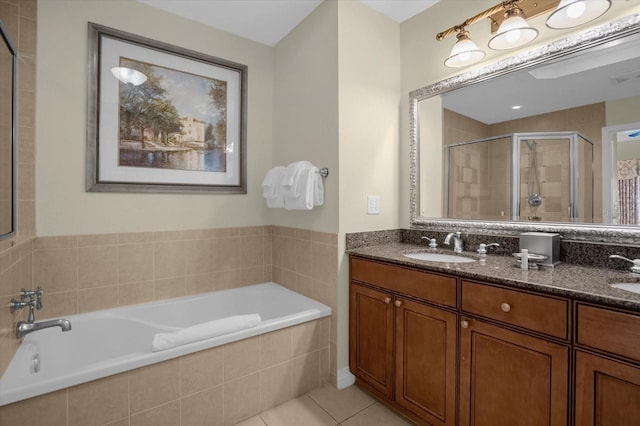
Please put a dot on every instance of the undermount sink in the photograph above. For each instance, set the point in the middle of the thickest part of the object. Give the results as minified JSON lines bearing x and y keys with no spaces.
{"x":439,"y":257}
{"x":632,"y":287}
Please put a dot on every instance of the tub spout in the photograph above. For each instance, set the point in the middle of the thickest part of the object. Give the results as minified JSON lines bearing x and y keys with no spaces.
{"x":23,"y":328}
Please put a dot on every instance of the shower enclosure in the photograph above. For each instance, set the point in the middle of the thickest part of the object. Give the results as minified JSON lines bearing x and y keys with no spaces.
{"x":521,"y":176}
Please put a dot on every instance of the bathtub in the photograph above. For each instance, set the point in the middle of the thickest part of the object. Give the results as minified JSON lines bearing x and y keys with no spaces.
{"x":108,"y":342}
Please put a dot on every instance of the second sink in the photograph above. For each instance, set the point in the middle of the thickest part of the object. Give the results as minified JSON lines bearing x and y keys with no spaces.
{"x":632,"y":287}
{"x":439,"y":257}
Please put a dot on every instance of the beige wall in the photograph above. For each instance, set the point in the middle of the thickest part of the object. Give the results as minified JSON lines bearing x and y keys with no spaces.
{"x":63,"y":207}
{"x":369,"y":92}
{"x":623,"y":111}
{"x":305,"y":105}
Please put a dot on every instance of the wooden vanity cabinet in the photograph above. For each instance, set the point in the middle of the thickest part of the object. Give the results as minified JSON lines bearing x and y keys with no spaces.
{"x":402,"y":348}
{"x":510,"y":376}
{"x":607,"y":363}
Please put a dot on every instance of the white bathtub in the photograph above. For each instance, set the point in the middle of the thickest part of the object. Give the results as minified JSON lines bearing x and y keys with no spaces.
{"x":108,"y":342}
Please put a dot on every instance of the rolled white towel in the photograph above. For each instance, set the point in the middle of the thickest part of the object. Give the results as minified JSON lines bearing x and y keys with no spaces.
{"x":271,"y":182}
{"x":206,"y":330}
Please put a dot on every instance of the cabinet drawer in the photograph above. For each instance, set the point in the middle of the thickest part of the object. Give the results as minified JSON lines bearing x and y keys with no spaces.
{"x":611,"y":331}
{"x":542,"y":314}
{"x":435,"y":288}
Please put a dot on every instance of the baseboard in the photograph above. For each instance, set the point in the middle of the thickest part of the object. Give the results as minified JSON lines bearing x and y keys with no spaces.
{"x":345,"y":378}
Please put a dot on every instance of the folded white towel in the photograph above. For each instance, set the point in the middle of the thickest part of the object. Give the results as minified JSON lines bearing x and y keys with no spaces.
{"x":206,"y":330}
{"x":305,"y":191}
{"x":292,"y":173}
{"x":272,"y":187}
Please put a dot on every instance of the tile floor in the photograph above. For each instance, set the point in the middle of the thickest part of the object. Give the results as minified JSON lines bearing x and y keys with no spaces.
{"x":327,"y":406}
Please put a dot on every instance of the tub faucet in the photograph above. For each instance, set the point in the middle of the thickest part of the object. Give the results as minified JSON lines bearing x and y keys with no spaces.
{"x":23,"y":328}
{"x":457,"y":241}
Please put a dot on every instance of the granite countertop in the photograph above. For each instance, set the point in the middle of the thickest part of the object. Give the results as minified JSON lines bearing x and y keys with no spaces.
{"x":578,"y":282}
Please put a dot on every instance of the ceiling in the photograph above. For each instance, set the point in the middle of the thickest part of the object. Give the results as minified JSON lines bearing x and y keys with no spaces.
{"x":268,"y":21}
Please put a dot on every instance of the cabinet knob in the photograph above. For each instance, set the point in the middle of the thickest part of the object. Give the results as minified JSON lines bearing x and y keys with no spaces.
{"x":464,"y":324}
{"x":387,"y":300}
{"x":505,"y":307}
{"x":398,"y":303}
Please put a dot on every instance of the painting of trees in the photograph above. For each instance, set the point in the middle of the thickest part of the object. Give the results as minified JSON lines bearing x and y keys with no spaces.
{"x":218,"y":94}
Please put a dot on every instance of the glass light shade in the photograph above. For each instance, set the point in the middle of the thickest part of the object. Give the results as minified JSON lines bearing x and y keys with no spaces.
{"x":513,"y":32}
{"x":128,"y":75}
{"x":465,"y":52}
{"x":571,"y":13}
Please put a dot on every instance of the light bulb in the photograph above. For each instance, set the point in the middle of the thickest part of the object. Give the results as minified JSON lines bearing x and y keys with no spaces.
{"x":512,"y":36}
{"x":575,"y":10}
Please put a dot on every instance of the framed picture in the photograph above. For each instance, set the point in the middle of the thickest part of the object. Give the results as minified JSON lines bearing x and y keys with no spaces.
{"x":162,"y":118}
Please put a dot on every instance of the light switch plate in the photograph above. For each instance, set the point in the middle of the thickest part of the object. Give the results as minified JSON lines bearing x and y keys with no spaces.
{"x":373,"y":204}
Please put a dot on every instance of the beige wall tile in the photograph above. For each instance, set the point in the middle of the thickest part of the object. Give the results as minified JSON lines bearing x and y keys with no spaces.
{"x":95,"y":299}
{"x":241,"y":399}
{"x":97,"y":266}
{"x":325,"y":262}
{"x":169,"y":259}
{"x":97,"y":240}
{"x":275,"y":385}
{"x":168,"y":236}
{"x":52,"y":408}
{"x":305,"y":373}
{"x":200,"y":284}
{"x":275,"y":347}
{"x":203,"y":408}
{"x":169,"y":288}
{"x":56,"y":269}
{"x":42,"y":243}
{"x":325,"y":365}
{"x":28,"y":35}
{"x":198,"y":234}
{"x":201,"y":370}
{"x":305,"y":338}
{"x":164,"y":415}
{"x":303,"y":257}
{"x":252,"y":249}
{"x":199,"y":257}
{"x":58,"y":304}
{"x":154,"y":385}
{"x":135,"y":237}
{"x":131,"y":294}
{"x":100,"y":401}
{"x":226,"y":254}
{"x":251,"y":276}
{"x":241,"y":358}
{"x":226,"y":279}
{"x":135,"y":262}
{"x":289,"y":254}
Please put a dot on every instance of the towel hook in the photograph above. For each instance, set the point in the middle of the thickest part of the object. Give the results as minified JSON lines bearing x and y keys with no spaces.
{"x":324,"y":172}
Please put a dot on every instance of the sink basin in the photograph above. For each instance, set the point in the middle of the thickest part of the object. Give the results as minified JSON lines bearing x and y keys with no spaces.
{"x":632,"y":287}
{"x":439,"y":257}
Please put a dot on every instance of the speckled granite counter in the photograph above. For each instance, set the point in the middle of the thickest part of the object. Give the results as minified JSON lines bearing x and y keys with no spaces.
{"x":577,"y":282}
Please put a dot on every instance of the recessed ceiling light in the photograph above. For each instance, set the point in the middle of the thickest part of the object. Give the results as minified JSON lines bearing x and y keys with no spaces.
{"x":516,"y":107}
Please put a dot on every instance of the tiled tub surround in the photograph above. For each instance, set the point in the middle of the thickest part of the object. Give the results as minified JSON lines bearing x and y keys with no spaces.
{"x":219,"y":386}
{"x":112,"y":341}
{"x":139,"y":269}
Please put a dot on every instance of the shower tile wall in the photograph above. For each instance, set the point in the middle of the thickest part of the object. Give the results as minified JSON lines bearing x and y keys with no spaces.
{"x":588,"y":120}
{"x":219,"y":386}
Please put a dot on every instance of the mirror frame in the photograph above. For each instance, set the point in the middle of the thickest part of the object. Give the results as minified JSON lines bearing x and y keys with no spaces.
{"x":575,"y":43}
{"x":14,"y":128}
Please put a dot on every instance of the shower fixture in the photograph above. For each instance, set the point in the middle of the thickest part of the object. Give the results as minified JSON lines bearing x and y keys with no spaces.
{"x":534,"y":199}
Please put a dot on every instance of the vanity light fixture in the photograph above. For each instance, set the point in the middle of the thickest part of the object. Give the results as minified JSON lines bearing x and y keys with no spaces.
{"x":572,"y":13}
{"x":512,"y":30}
{"x":129,"y":75}
{"x":465,"y":51}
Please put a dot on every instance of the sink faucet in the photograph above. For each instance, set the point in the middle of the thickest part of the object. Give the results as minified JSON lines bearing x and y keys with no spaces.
{"x":23,"y":328}
{"x":635,"y":269}
{"x":457,"y":241}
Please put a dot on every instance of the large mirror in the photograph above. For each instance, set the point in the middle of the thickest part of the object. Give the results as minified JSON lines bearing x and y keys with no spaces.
{"x":548,"y":140}
{"x":8,"y":73}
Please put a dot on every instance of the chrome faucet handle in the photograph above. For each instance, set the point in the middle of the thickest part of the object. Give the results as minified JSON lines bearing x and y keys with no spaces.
{"x":38,"y":298}
{"x":635,"y":269}
{"x":14,"y":305}
{"x":432,"y":242}
{"x":482,"y":249}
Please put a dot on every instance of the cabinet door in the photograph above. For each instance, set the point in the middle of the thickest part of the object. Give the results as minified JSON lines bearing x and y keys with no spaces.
{"x":426,"y":361}
{"x":607,"y":392}
{"x":511,"y":379}
{"x":371,"y":337}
